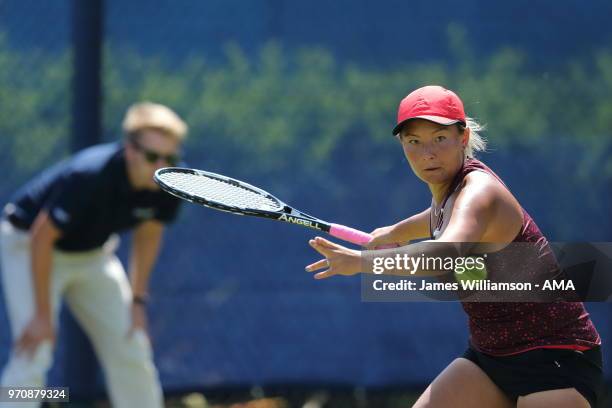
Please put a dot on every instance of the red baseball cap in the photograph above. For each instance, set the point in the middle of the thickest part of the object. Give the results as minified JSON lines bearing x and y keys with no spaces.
{"x":433,"y":103}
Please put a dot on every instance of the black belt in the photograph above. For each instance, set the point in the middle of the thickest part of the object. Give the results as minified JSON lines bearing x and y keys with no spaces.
{"x":16,"y":221}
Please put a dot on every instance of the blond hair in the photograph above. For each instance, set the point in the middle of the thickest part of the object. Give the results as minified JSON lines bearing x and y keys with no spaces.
{"x":149,"y":115}
{"x":476,"y":143}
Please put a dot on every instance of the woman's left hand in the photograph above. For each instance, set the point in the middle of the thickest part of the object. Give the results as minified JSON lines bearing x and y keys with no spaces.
{"x":338,"y":260}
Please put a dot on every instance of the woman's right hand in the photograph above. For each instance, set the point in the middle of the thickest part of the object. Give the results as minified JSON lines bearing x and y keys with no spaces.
{"x":38,"y":330}
{"x":383,"y":237}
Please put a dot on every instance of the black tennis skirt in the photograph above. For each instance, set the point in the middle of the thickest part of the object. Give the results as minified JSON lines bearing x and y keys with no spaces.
{"x":543,"y":370}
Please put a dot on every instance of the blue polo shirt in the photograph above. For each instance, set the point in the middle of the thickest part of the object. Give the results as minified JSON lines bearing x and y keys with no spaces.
{"x":88,"y":197}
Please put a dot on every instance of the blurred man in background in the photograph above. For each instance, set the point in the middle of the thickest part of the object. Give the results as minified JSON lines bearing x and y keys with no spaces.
{"x":58,"y":241}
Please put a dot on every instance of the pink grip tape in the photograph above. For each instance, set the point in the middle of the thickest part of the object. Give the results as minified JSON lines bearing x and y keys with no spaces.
{"x":355,"y":236}
{"x":350,"y":234}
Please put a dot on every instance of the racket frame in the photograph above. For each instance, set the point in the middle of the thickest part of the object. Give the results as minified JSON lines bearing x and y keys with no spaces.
{"x":286,"y":213}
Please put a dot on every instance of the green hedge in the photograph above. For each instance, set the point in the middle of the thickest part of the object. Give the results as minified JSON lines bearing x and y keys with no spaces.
{"x":291,"y":108}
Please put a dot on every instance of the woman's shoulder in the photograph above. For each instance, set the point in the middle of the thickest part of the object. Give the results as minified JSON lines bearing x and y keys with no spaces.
{"x":481,"y":178}
{"x":481,"y":186}
{"x":486,"y":193}
{"x":482,"y":191}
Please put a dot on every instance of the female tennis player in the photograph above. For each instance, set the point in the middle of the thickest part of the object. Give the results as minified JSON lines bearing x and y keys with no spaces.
{"x":520,"y":354}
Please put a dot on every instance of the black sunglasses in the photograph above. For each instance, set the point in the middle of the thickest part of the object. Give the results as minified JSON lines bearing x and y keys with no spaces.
{"x":153,"y":156}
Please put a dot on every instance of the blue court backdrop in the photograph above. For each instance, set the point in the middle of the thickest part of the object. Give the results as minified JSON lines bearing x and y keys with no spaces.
{"x":300,"y":98}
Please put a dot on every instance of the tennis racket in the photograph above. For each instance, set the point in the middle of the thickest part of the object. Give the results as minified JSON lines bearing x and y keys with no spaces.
{"x":237,"y":197}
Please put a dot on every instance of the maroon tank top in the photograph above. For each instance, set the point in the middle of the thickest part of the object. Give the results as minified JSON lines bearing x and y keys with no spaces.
{"x":504,"y":328}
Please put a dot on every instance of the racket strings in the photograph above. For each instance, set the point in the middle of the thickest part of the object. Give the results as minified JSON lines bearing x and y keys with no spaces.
{"x":220,"y":191}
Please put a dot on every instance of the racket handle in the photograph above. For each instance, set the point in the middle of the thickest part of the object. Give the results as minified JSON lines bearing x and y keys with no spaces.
{"x":350,"y":234}
{"x":355,"y":236}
